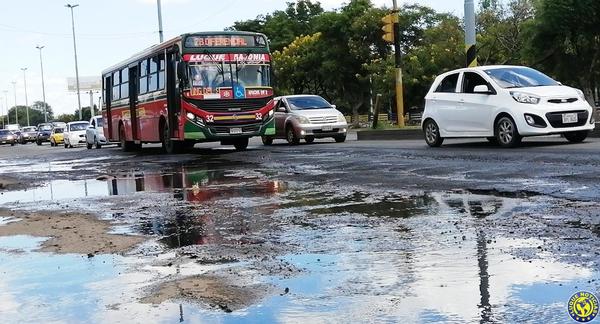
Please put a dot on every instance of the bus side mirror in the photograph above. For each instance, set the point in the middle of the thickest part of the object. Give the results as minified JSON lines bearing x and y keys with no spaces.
{"x":181,"y":72}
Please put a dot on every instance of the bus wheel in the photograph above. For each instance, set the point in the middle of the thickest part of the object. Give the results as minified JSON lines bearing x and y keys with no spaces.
{"x":241,"y":144}
{"x":169,"y":146}
{"x":126,"y":146}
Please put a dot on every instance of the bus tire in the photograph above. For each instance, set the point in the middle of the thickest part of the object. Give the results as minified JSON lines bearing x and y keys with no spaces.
{"x":169,"y":146}
{"x":241,"y":144}
{"x":126,"y":146}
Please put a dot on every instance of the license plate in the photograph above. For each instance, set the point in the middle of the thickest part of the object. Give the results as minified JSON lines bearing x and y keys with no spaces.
{"x":327,"y":128}
{"x":235,"y":131}
{"x":569,"y":118}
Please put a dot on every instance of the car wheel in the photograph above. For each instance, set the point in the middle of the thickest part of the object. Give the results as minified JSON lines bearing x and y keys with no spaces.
{"x":507,"y":134}
{"x":432,"y":133}
{"x":52,"y":143}
{"x":576,"y":137}
{"x":340,"y":139}
{"x":291,"y":137}
{"x":12,"y":144}
{"x":309,"y":139}
{"x":38,"y":142}
{"x":267,"y":140}
{"x":66,"y":145}
{"x":241,"y":144}
{"x":89,"y":146}
{"x":98,"y":145}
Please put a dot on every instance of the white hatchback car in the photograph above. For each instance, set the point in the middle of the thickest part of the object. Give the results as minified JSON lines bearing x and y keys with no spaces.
{"x":503,"y":103}
{"x":75,"y":133}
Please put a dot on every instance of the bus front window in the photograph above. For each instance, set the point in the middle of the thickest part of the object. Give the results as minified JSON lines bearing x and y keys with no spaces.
{"x":225,"y":75}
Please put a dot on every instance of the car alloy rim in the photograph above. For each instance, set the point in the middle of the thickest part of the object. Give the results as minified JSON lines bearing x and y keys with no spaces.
{"x":290,"y":135}
{"x":431,"y":133}
{"x":505,"y":130}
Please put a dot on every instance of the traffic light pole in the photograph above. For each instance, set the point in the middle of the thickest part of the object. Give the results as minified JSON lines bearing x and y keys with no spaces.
{"x":398,"y":64}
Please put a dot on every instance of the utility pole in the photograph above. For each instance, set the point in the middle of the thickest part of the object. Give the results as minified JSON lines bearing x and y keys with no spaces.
{"x":43,"y":86}
{"x":26,"y":101}
{"x":392,"y":35}
{"x":91,"y":103}
{"x":2,"y":112}
{"x":470,"y":34}
{"x":75,"y":50}
{"x":160,"y":28}
{"x":14,"y":83}
{"x":6,"y":104}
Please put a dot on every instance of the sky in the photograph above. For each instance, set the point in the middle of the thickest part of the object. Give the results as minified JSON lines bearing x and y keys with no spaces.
{"x":108,"y":31}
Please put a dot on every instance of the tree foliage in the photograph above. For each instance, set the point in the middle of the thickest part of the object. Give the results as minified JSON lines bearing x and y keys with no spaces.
{"x":36,"y":114}
{"x":339,"y":54}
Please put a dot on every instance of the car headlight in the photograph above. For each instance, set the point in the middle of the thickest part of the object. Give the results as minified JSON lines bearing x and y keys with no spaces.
{"x":526,"y":98}
{"x":9,"y":137}
{"x":341,"y":119}
{"x":581,"y":94}
{"x":303,"y":120}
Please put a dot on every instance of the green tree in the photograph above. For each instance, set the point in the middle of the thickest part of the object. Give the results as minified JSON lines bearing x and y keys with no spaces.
{"x":564,"y":41}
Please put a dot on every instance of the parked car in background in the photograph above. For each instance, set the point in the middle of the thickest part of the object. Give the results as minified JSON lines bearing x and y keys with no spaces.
{"x":503,"y":104}
{"x":74,"y":133}
{"x":56,"y":136}
{"x":28,"y":134}
{"x":306,"y":117}
{"x":13,"y":127}
{"x":7,"y":137}
{"x":94,"y":135}
{"x":43,"y":133}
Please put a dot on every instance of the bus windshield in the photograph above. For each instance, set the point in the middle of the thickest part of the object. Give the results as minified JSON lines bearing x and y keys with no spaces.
{"x":228,"y":75}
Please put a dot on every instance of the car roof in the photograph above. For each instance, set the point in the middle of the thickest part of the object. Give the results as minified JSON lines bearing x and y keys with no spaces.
{"x":480,"y":68}
{"x":78,"y":122}
{"x":296,"y":96}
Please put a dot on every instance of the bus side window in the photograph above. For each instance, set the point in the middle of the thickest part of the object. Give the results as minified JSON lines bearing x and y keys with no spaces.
{"x":143,"y":76}
{"x":161,"y":72}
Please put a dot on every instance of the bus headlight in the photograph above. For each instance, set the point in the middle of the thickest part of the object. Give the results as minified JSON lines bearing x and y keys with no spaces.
{"x":190,"y":116}
{"x":271,"y":113}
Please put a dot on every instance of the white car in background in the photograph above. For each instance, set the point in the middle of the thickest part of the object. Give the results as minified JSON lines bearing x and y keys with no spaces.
{"x":504,"y":104}
{"x":74,"y":133}
{"x":94,"y":135}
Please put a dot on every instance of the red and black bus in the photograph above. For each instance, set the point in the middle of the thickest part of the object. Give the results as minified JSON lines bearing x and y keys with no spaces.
{"x":198,"y":87}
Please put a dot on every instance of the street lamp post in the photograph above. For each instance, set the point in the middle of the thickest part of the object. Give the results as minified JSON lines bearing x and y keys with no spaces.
{"x":14,"y":83}
{"x":26,"y":101}
{"x":160,"y":29}
{"x":2,"y":112}
{"x":6,"y":104}
{"x":75,"y":50}
{"x":43,"y":86}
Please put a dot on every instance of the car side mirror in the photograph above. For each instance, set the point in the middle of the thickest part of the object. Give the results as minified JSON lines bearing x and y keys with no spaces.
{"x":281,"y":109}
{"x":334,"y":106}
{"x":482,"y":89}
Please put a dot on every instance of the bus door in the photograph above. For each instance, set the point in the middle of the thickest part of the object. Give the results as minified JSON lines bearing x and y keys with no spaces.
{"x":107,"y":105}
{"x":173,"y":95}
{"x":133,"y":101}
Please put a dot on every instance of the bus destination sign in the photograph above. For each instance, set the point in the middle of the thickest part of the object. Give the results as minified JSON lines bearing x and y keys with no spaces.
{"x":225,"y":41}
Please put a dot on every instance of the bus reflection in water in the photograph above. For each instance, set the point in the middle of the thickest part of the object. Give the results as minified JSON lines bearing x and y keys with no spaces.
{"x":192,"y":226}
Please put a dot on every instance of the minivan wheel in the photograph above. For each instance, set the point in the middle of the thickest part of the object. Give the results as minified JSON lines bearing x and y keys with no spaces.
{"x":507,"y":133}
{"x":309,"y":139}
{"x":267,"y":140}
{"x":576,"y":137}
{"x":291,"y":137}
{"x":432,"y":134}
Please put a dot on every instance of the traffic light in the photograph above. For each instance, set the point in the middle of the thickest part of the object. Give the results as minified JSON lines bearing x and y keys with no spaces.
{"x":388,"y":27}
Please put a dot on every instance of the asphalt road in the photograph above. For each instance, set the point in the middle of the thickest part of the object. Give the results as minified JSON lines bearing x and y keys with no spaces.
{"x":362,"y":231}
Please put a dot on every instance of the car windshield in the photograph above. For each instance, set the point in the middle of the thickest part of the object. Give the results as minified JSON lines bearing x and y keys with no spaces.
{"x":519,"y":77}
{"x":45,"y":127}
{"x":99,"y":122}
{"x":58,"y":130}
{"x":29,"y":129}
{"x":4,"y":132}
{"x":307,"y":102}
{"x":78,"y":127}
{"x":212,"y":76}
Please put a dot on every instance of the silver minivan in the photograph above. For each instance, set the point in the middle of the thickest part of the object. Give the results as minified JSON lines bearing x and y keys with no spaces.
{"x":306,"y":117}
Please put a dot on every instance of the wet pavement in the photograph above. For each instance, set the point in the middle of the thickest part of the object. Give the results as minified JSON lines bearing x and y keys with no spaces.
{"x":361,"y":232}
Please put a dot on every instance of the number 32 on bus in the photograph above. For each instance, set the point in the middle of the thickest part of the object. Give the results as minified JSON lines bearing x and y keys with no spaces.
{"x":200,"y":87}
